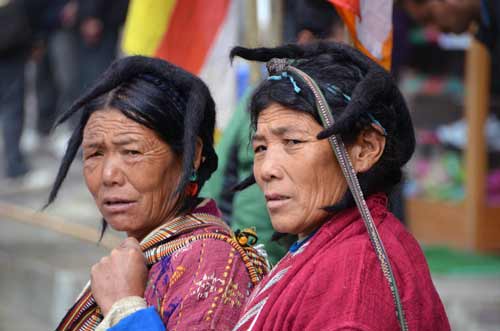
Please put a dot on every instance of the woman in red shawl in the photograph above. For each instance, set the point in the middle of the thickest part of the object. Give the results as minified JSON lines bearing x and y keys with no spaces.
{"x":339,"y":275}
{"x":331,"y":128}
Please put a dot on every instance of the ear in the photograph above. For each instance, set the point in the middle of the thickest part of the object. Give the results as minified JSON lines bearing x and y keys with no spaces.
{"x":197,"y":153}
{"x":367,"y":149}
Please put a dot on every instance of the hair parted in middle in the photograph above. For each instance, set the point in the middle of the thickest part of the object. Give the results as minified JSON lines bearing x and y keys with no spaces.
{"x":357,"y":90}
{"x":172,"y":102}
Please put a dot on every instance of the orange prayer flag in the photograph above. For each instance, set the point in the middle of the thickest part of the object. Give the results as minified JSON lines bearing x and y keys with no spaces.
{"x":196,"y":35}
{"x":350,"y":5}
{"x":180,"y":31}
{"x":369,"y":23}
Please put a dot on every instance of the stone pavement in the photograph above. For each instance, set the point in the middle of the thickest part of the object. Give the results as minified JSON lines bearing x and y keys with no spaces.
{"x":42,"y":271}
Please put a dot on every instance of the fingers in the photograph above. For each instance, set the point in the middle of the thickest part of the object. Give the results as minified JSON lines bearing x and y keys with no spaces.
{"x":128,"y":249}
{"x":131,"y":247}
{"x":121,"y":274}
{"x":98,"y":268}
{"x":130,"y":242}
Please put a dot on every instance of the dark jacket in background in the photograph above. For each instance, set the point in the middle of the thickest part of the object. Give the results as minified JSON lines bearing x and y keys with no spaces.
{"x":41,"y":16}
{"x":111,"y":13}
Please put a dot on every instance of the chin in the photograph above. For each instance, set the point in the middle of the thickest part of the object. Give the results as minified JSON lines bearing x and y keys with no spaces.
{"x":282,"y":226}
{"x":120,"y":223}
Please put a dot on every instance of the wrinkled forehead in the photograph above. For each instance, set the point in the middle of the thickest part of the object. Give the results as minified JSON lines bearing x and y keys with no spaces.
{"x":278,"y":120}
{"x":113,"y":124}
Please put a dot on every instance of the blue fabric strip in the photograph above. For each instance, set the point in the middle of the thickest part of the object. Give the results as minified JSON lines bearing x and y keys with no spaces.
{"x":330,"y":88}
{"x":142,"y":320}
{"x":285,"y":74}
{"x":374,"y":120}
{"x":337,"y":91}
{"x":299,"y":243}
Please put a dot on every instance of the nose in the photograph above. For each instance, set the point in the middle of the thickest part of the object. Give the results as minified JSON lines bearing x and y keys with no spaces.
{"x":112,"y":174}
{"x":269,"y":167}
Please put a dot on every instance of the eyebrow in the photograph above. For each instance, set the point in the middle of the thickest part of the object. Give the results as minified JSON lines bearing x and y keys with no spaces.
{"x":120,"y":141}
{"x":95,"y":143}
{"x":279,"y":131}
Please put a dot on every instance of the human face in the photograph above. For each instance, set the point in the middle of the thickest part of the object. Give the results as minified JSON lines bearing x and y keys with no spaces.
{"x":297,"y":172}
{"x":130,"y":172}
{"x":447,"y":15}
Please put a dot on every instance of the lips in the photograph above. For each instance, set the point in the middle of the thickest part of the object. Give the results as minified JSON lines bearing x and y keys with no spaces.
{"x":275,"y":201}
{"x":117,"y":204}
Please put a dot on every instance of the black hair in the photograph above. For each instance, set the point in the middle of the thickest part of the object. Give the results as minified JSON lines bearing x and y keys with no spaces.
{"x":371,"y":93}
{"x":173,"y":103}
{"x":317,"y":16}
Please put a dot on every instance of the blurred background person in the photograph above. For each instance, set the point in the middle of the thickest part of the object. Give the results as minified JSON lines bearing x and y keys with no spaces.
{"x":99,"y":23}
{"x":26,"y":23}
{"x":70,"y":43}
{"x":56,"y":76}
{"x":74,"y":54}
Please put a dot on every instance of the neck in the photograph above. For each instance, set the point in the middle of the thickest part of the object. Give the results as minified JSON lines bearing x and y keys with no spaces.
{"x":143,"y":233}
{"x":304,"y":235}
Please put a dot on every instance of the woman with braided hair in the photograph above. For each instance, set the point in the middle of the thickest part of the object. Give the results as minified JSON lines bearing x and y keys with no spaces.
{"x":331,"y":129}
{"x":146,"y":129}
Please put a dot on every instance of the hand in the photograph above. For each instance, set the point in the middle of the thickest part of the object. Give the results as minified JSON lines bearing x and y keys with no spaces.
{"x":91,"y":30}
{"x":121,"y":274}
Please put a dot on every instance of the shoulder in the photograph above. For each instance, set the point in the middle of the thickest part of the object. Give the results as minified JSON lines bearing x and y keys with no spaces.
{"x":355,"y":255}
{"x":204,"y":252}
{"x":349,"y":274}
{"x":348,"y":267}
{"x":204,"y":286}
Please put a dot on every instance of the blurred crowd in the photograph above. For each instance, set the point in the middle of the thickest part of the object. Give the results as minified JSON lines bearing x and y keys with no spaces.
{"x":70,"y":42}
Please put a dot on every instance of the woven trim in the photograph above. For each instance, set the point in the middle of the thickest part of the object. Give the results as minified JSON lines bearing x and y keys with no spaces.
{"x":85,"y":315}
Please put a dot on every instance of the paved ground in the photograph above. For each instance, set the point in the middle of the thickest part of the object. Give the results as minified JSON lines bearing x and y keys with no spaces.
{"x":43,"y":271}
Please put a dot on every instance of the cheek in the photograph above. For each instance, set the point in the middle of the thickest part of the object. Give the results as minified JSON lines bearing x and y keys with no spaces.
{"x":156,"y":184}
{"x":320,"y":180}
{"x":92,"y":178}
{"x":145,"y":176}
{"x":256,"y":172}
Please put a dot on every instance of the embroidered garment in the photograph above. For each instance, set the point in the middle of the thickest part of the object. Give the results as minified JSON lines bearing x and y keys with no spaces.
{"x":334,"y":281}
{"x":199,"y":275}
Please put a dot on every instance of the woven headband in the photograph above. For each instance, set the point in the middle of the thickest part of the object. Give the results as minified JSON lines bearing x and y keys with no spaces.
{"x":333,"y":89}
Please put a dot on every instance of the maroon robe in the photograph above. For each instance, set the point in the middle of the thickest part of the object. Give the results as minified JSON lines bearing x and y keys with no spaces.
{"x":335,"y":282}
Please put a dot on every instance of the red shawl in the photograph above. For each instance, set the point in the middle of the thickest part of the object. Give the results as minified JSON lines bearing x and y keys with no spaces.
{"x":335,"y":282}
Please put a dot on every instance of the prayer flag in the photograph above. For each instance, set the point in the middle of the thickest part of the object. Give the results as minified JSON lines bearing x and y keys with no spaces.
{"x":369,"y":23}
{"x":181,"y":32}
{"x":196,"y":35}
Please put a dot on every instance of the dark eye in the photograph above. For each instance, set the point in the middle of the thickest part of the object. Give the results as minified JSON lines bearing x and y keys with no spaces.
{"x":132,"y":152}
{"x":259,"y":148}
{"x":93,"y":155}
{"x":291,"y":142}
